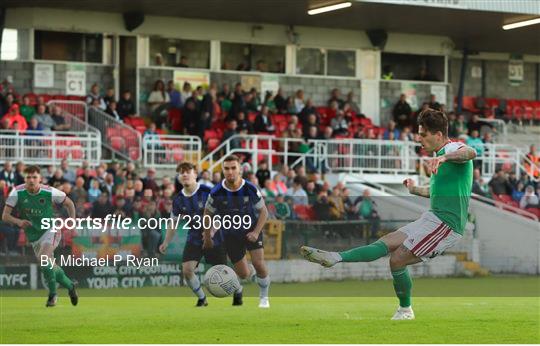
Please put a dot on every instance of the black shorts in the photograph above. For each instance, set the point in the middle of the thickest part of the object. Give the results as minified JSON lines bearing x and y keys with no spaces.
{"x":237,"y":245}
{"x":214,"y":256}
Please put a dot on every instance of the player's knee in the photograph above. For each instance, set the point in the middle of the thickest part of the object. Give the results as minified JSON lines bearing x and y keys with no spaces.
{"x":397,"y":260}
{"x":187,"y":271}
{"x":243,"y":273}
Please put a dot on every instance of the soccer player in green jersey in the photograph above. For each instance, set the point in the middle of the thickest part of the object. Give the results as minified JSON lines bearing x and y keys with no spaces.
{"x":34,"y":202}
{"x":437,"y":229}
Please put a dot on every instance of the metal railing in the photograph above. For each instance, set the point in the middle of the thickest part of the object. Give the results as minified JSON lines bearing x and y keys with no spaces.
{"x":360,"y":156}
{"x":121,"y":139}
{"x":257,"y":148}
{"x":166,"y":151}
{"x":78,"y":109}
{"x":40,"y":148}
{"x":366,"y":156}
{"x":75,"y":122}
{"x":504,"y":156}
{"x":500,"y":126}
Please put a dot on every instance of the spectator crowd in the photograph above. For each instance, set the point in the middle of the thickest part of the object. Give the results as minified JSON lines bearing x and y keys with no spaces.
{"x":290,"y":194}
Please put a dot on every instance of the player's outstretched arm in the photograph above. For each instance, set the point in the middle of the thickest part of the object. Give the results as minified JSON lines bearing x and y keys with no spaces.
{"x":168,"y":237}
{"x":422,"y":191}
{"x":463,"y":154}
{"x":70,"y":207}
{"x":7,"y":217}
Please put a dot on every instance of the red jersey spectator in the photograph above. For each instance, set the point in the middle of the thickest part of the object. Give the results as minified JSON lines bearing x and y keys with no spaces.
{"x":13,"y":116}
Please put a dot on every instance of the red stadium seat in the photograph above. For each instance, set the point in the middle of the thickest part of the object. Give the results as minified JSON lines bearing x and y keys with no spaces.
{"x":140,"y":129}
{"x":118,"y":143}
{"x":209,"y":134}
{"x":178,"y":154}
{"x":77,"y":152}
{"x":536,"y":110}
{"x":21,"y":241}
{"x":133,"y":153}
{"x":504,"y":198}
{"x":46,"y":97}
{"x":527,"y":110}
{"x":535,"y":211}
{"x":213,"y":143}
{"x":251,"y":116}
{"x":137,"y":121}
{"x":304,"y":212}
{"x":469,"y":104}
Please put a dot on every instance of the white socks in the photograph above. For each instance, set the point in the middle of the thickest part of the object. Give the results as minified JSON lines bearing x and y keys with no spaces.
{"x":195,"y":285}
{"x":264,"y":285}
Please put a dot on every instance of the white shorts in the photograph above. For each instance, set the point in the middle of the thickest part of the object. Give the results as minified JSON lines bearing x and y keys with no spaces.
{"x":428,"y":236}
{"x":47,"y":238}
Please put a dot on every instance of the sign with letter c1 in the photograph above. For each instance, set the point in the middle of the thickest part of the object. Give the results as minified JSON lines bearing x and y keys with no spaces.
{"x":76,"y":80}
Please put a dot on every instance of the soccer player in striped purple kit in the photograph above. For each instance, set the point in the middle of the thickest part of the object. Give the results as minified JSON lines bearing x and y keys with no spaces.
{"x":236,"y":197}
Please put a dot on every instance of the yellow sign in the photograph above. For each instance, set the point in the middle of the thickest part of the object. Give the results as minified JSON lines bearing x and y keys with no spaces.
{"x":251,"y":81}
{"x":193,"y":78}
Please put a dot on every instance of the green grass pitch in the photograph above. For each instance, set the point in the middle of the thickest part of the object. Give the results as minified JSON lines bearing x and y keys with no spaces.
{"x":480,"y":310}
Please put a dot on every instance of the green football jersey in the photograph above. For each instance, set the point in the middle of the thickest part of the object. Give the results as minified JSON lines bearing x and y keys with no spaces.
{"x":35,"y":207}
{"x":450,"y":190}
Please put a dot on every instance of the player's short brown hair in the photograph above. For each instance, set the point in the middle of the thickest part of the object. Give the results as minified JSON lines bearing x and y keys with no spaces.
{"x":186,"y":166}
{"x":32,"y":169}
{"x":232,"y":158}
{"x":433,"y":121}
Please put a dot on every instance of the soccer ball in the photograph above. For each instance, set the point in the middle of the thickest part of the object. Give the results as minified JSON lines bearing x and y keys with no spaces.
{"x":221,"y":281}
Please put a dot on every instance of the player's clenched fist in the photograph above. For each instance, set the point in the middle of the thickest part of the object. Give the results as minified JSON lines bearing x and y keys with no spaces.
{"x":163,"y":248}
{"x":25,"y":223}
{"x":252,"y":236}
{"x":409,"y":183}
{"x":434,"y":163}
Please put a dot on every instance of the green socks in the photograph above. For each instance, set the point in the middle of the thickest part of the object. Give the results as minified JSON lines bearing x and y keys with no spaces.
{"x":366,"y":253}
{"x":50,"y":278}
{"x":62,"y":278}
{"x":56,"y":275}
{"x":403,"y":286}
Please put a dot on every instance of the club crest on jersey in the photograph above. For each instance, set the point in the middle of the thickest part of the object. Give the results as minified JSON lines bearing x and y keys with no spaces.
{"x":200,"y":204}
{"x":246,"y":199}
{"x":42,"y":201}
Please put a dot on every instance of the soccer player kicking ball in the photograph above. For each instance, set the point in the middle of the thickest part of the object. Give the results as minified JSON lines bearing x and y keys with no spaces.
{"x":190,"y":203}
{"x":439,"y":228}
{"x":238,"y":199}
{"x":34,"y":202}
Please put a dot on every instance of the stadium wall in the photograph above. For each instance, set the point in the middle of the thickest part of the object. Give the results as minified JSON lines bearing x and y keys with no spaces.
{"x":303,"y":271}
{"x":22,"y":73}
{"x":316,"y":88}
{"x":496,"y":74}
{"x":509,"y":243}
{"x":391,"y":90}
{"x":242,"y":32}
{"x":168,"y":274}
